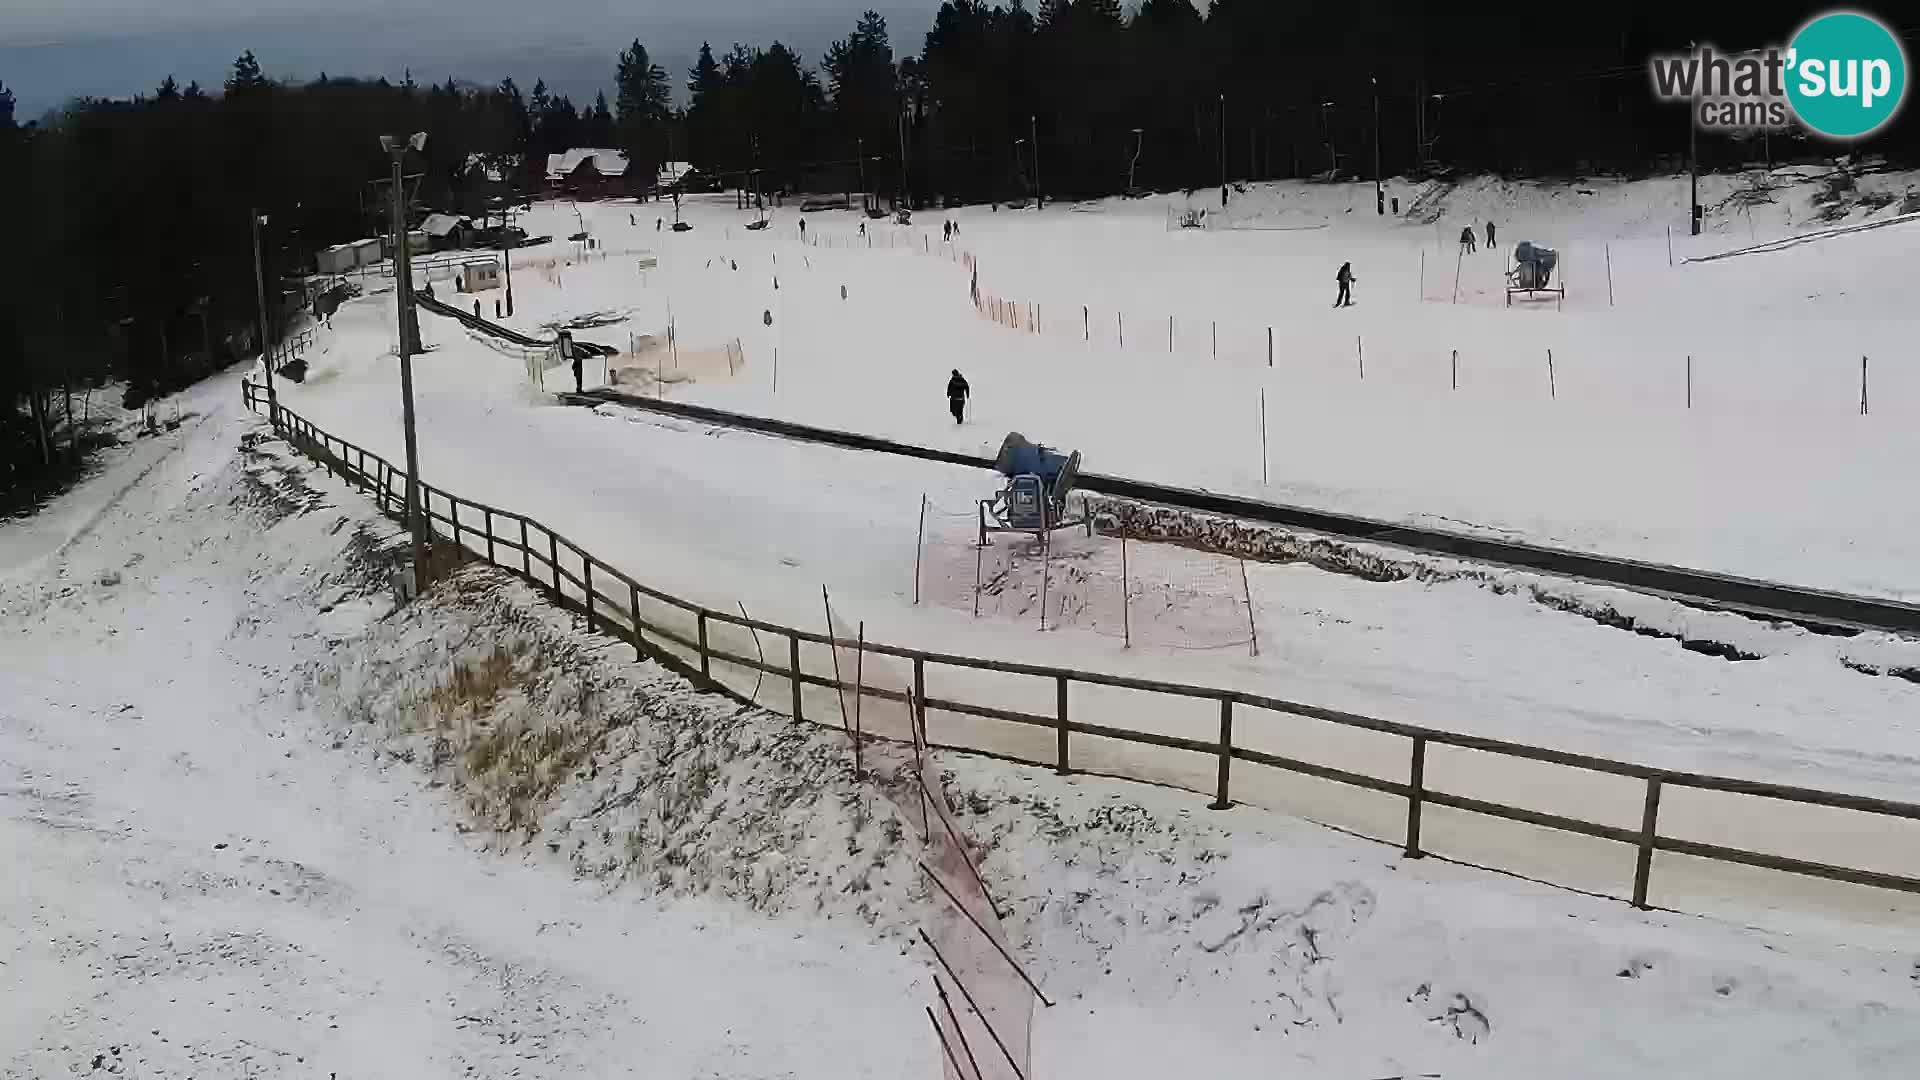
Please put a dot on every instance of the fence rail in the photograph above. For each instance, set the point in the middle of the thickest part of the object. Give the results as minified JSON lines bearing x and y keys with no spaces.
{"x":612,"y":601}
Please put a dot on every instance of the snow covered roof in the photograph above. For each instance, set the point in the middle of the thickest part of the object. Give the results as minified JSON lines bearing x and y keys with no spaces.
{"x":439,"y":224}
{"x":606,"y":162}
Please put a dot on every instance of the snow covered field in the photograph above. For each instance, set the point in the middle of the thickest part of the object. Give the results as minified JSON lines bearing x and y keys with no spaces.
{"x":1771,"y":473}
{"x":727,"y":519}
{"x":252,"y":832}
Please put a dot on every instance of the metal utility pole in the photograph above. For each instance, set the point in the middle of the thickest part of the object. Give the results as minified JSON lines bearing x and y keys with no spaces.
{"x":260,"y":297}
{"x":1139,"y":139}
{"x":1693,"y":156}
{"x":396,"y":146}
{"x":1039,"y":193}
{"x":1379,"y":189}
{"x":1223,"y":149}
{"x":906,"y":199}
{"x":860,"y":151}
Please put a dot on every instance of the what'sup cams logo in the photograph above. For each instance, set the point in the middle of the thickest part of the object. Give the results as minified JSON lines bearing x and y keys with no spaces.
{"x":1844,"y":76}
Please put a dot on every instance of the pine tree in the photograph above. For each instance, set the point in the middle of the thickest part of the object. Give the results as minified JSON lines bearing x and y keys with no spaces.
{"x":861,"y":76}
{"x":704,"y":76}
{"x":245,"y":77}
{"x":643,"y":101}
{"x":598,"y":123}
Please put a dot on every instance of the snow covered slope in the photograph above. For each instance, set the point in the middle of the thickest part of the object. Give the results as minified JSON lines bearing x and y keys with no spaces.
{"x":257,"y":825}
{"x":1770,"y":471}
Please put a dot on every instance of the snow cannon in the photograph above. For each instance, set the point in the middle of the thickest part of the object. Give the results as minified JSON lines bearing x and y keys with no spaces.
{"x":1035,"y":497}
{"x":1533,"y":265}
{"x":1532,"y":271}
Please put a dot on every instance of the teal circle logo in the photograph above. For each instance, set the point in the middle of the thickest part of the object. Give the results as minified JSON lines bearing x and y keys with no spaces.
{"x":1846,"y":74}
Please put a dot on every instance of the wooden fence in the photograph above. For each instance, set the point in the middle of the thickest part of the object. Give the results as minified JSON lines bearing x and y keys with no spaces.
{"x":683,"y":635}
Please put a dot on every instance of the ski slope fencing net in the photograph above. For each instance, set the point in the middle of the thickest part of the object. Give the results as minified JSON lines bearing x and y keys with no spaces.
{"x":984,"y":1014}
{"x":1607,"y":826}
{"x":1159,"y":596}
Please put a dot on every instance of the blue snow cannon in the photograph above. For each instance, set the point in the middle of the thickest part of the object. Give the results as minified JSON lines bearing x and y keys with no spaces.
{"x":1034,"y":499}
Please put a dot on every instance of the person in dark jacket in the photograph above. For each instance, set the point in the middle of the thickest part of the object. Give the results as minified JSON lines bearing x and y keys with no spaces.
{"x":567,"y":353}
{"x":1466,"y":240}
{"x":1346,"y":279}
{"x":957,"y":394}
{"x":1489,"y":236}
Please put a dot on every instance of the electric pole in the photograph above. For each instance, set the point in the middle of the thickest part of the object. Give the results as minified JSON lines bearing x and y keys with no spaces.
{"x":409,"y":341}
{"x":1039,"y":193}
{"x":1693,"y":157}
{"x":260,"y":297}
{"x":1379,"y":190}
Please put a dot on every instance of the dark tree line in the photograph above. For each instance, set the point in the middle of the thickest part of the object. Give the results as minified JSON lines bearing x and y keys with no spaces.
{"x":131,"y":251}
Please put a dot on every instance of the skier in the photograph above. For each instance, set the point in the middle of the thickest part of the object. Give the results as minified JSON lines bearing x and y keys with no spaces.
{"x":1346,"y":279}
{"x":863,"y":228}
{"x":803,"y":230}
{"x":957,"y":394}
{"x":657,"y":222}
{"x":476,"y":308}
{"x":1489,"y":236}
{"x":946,"y":233}
{"x":1466,"y":240}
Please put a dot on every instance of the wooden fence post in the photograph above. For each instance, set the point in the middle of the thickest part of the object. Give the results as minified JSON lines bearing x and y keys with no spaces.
{"x":586,"y":584}
{"x":793,"y":665}
{"x":1060,"y":729}
{"x":526,"y":551}
{"x":553,"y":553}
{"x":920,"y":698}
{"x":1220,"y":800}
{"x":640,"y":635}
{"x":706,"y":671}
{"x":487,"y":518}
{"x":1643,"y":868}
{"x":1416,"y":795}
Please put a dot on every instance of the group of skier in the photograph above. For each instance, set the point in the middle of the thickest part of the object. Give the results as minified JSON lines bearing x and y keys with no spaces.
{"x":1467,"y":244}
{"x":1345,"y":279}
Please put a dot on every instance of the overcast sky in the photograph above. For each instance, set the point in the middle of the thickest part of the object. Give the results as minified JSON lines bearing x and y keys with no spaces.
{"x":52,"y":50}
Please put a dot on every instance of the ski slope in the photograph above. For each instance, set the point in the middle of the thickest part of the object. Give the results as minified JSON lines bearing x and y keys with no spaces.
{"x":734,"y":520}
{"x":1771,"y":473}
{"x":235,"y":853}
